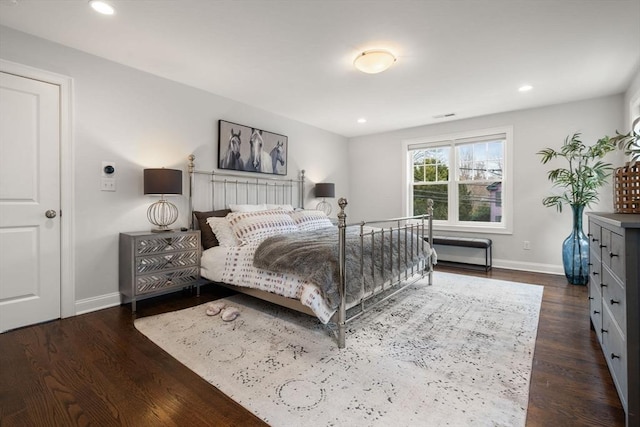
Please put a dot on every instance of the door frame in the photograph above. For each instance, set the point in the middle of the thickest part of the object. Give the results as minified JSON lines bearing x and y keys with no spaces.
{"x":67,"y":187}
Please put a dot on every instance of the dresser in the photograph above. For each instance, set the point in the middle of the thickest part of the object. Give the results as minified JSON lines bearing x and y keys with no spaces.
{"x":614,"y":301}
{"x":155,"y":263}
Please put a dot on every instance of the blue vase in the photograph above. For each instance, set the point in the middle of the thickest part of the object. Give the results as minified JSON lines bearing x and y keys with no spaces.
{"x":575,"y":251}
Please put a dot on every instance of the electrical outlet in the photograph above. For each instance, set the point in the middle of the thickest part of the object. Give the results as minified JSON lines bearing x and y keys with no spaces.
{"x":108,"y":184}
{"x":526,"y":245}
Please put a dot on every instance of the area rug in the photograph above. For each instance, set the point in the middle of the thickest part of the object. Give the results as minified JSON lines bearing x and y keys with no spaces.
{"x":457,"y":353}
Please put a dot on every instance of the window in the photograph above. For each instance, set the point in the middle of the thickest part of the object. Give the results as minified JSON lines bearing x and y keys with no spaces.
{"x":466,"y":177}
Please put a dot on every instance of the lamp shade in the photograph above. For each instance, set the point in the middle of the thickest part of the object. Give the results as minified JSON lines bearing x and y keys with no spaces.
{"x":162,"y":181}
{"x":326,"y":189}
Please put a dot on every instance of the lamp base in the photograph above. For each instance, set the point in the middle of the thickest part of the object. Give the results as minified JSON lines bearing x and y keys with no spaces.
{"x":160,"y":230}
{"x":324,"y":207}
{"x":162,"y":213}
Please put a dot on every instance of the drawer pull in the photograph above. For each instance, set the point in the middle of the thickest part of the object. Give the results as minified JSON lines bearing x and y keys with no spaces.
{"x":611,"y":254}
{"x":595,"y":273}
{"x":595,"y":240}
{"x":596,"y":312}
{"x":603,"y":246}
{"x":590,"y":298}
{"x":614,"y":301}
{"x":604,"y":331}
{"x":589,"y":234}
{"x":602,"y":285}
{"x":590,"y":265}
{"x":614,"y":356}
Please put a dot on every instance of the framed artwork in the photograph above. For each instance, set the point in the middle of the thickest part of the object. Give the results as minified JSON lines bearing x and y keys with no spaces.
{"x":248,"y":149}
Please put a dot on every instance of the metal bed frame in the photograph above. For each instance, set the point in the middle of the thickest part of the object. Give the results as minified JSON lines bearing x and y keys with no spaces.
{"x":417,"y":230}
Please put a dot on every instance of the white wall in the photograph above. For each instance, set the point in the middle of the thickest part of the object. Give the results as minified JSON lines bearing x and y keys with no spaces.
{"x":376,"y":181}
{"x":139,"y":120}
{"x":632,"y":100}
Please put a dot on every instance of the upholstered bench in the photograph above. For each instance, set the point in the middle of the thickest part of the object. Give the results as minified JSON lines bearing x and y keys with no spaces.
{"x":468,"y":242}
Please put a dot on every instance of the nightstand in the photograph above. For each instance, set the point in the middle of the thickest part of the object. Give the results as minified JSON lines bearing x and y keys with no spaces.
{"x":156,"y":263}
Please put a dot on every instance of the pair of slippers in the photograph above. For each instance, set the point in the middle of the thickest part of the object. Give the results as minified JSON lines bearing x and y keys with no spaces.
{"x":227,"y":313}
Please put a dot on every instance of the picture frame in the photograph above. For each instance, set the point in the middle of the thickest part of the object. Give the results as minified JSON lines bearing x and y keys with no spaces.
{"x":249,"y":149}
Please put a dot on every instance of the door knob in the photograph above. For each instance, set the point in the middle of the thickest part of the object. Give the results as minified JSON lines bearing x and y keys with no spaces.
{"x":50,"y":213}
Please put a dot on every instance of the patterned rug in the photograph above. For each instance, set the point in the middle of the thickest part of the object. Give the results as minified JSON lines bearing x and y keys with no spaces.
{"x":457,"y":353}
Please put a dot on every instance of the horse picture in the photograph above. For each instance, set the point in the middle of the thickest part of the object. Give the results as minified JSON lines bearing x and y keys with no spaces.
{"x":259,"y":160}
{"x":233,"y":159}
{"x":277,"y":156}
{"x":264,"y":152}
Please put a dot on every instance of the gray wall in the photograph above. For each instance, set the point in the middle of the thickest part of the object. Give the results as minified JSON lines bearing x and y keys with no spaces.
{"x":376,"y":179}
{"x":139,"y":120}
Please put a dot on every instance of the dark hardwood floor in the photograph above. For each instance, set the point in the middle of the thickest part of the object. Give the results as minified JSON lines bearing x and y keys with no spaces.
{"x":96,"y":369}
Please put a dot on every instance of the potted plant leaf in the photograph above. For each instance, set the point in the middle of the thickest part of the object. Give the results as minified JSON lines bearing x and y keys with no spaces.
{"x":581,"y":178}
{"x":627,"y":177}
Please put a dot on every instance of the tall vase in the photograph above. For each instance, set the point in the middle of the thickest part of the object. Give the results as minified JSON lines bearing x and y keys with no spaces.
{"x":575,"y":251}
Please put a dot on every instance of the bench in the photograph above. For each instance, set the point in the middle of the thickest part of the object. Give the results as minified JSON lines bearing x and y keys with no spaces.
{"x":467,"y":242}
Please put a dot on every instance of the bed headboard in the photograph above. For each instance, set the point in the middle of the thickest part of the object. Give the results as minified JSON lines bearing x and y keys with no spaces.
{"x":214,"y":190}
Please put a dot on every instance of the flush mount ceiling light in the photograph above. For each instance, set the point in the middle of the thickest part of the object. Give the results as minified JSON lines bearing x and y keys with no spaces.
{"x":102,"y":7}
{"x":362,"y":120}
{"x":525,"y":88}
{"x":374,"y":61}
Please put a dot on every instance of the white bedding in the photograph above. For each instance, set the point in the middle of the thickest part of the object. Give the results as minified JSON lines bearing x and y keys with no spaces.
{"x":234,"y":265}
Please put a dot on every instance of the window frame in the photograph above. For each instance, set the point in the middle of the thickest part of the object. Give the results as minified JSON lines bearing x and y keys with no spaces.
{"x":452,"y":140}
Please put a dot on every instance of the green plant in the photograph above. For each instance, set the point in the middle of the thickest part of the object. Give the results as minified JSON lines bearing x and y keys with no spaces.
{"x":585,"y":174}
{"x":629,"y":142}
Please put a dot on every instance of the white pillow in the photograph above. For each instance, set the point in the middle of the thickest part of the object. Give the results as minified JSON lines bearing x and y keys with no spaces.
{"x":310,"y":220}
{"x":248,"y":208}
{"x":248,"y":226}
{"x":223,"y":231}
{"x":286,"y":208}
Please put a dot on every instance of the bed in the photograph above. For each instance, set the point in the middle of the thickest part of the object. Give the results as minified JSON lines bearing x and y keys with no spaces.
{"x":259,"y":239}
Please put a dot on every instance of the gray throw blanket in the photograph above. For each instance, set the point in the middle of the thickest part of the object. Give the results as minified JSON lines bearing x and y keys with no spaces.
{"x":313,"y":256}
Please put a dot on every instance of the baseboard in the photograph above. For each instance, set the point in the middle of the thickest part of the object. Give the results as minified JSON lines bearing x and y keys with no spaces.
{"x":97,"y":303}
{"x":529,"y":266}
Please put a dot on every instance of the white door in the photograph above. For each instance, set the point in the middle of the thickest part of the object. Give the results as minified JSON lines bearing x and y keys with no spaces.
{"x":29,"y":201}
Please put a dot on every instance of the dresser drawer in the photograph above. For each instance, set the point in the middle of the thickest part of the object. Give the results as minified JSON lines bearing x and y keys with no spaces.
{"x":595,"y":236}
{"x":154,"y":263}
{"x":595,"y":266}
{"x":164,"y":243}
{"x":614,"y":348}
{"x":613,"y":256}
{"x":595,"y":307}
{"x":613,"y":296}
{"x":154,"y":282}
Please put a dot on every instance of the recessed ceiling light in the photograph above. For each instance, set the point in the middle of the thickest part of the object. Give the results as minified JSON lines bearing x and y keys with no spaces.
{"x":102,"y":7}
{"x":374,"y":61}
{"x":525,"y":88}
{"x":362,"y":120}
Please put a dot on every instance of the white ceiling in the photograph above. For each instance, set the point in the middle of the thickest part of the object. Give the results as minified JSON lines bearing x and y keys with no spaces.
{"x":294,"y":57}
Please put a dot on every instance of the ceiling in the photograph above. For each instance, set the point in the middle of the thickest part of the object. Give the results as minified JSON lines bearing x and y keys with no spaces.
{"x":295,"y":57}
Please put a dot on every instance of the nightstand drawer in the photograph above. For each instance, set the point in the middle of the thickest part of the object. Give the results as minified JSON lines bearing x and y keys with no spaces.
{"x":176,"y":278}
{"x":164,"y":243}
{"x":153,"y":263}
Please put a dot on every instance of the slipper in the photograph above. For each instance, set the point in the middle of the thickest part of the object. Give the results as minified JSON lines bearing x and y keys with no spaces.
{"x":215,"y":308}
{"x":230,"y":313}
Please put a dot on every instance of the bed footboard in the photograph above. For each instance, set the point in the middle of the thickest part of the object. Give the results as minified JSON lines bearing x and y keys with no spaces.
{"x":408,"y":237}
